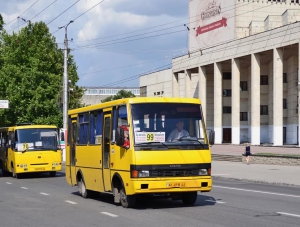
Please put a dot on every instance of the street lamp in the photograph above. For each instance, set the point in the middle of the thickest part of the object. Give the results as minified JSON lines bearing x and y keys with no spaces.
{"x":65,"y":79}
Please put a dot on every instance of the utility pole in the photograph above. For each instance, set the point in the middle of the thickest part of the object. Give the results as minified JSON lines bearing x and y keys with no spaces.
{"x":65,"y":79}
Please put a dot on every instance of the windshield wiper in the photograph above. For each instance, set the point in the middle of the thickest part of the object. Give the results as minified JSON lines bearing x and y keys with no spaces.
{"x":192,"y":139}
{"x":152,"y":143}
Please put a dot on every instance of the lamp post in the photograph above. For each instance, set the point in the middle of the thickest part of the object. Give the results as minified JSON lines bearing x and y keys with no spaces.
{"x":65,"y":79}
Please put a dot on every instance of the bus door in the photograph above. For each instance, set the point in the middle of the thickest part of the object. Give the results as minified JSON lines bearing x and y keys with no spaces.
{"x":106,"y":146}
{"x":73,"y":140}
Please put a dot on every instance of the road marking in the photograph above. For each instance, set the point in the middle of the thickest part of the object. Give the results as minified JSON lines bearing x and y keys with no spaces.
{"x":263,"y":192}
{"x":109,"y":214}
{"x":288,"y":214}
{"x":43,"y":193}
{"x":7,"y":182}
{"x":24,"y":188}
{"x":214,"y":201}
{"x":71,"y":202}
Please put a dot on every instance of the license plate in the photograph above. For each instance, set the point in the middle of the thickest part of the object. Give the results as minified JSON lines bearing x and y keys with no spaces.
{"x":176,"y":184}
{"x":39,"y":168}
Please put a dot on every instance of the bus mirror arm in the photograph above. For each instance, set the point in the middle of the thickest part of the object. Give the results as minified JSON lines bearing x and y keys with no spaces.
{"x":120,"y":137}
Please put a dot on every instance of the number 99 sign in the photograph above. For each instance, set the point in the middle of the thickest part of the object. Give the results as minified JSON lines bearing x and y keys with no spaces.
{"x":150,"y":136}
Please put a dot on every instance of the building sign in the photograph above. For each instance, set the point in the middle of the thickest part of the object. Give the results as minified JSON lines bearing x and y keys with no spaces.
{"x":211,"y":22}
{"x":3,"y":104}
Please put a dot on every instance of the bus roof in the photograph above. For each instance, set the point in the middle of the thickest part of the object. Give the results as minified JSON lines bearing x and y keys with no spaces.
{"x":135,"y":100}
{"x":29,"y":127}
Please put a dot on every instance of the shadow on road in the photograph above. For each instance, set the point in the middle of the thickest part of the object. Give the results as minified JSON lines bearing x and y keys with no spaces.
{"x":35,"y":175}
{"x":144,"y":203}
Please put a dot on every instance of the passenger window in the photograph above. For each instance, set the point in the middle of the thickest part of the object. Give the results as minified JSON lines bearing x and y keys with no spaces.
{"x":83,"y":128}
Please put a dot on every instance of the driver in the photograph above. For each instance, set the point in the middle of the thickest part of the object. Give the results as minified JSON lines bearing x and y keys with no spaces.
{"x":177,"y":133}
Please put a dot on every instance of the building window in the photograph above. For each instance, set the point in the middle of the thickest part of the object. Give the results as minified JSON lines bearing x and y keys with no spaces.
{"x":244,"y":85}
{"x":143,"y":91}
{"x":264,"y":110}
{"x":227,"y":76}
{"x":263,"y":80}
{"x":226,"y":109}
{"x":284,"y":78}
{"x":227,"y":93}
{"x":243,"y":116}
{"x":284,"y":104}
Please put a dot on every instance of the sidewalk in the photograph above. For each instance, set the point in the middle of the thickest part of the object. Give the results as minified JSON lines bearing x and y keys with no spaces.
{"x":273,"y":174}
{"x":240,"y":149}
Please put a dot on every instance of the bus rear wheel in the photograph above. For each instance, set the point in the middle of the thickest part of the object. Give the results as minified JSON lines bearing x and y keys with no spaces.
{"x":127,"y":201}
{"x":3,"y":172}
{"x":82,"y":189}
{"x":189,"y":198}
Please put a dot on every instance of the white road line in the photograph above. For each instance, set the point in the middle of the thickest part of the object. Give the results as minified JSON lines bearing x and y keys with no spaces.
{"x":262,"y":192}
{"x":214,"y":201}
{"x":7,"y":182}
{"x":24,"y":188}
{"x":288,"y":214}
{"x":71,"y":202}
{"x":43,"y":193}
{"x":109,"y":214}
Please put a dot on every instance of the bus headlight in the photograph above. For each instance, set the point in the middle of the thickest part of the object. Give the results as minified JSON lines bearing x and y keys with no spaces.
{"x":144,"y":173}
{"x":55,"y":164}
{"x":203,"y":172}
{"x":139,"y":173}
{"x":23,"y":165}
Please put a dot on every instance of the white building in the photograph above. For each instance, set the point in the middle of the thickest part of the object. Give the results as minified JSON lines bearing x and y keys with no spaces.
{"x":94,"y":95}
{"x":243,"y":65}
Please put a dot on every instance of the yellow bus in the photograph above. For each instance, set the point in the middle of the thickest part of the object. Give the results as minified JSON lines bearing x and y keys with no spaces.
{"x":139,"y":147}
{"x":26,"y":148}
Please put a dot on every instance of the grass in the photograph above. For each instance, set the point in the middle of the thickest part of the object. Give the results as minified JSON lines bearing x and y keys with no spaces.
{"x":276,"y":155}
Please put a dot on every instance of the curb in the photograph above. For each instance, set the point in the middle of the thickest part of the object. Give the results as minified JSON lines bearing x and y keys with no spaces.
{"x":254,"y":181}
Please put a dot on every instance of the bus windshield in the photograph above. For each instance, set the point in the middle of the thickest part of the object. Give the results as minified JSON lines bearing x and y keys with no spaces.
{"x":169,"y":124}
{"x":36,"y":139}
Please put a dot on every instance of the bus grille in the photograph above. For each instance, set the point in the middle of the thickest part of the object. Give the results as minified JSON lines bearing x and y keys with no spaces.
{"x":173,"y":173}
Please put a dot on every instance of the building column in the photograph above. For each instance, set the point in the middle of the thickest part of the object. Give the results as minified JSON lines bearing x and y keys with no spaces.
{"x":277,"y":97}
{"x":235,"y":101}
{"x":255,"y":99}
{"x":202,"y":90}
{"x":175,"y":85}
{"x":188,"y":78}
{"x":218,"y":103}
{"x":298,"y":78}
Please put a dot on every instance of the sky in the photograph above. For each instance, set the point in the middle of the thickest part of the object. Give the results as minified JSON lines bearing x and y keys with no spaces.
{"x":113,"y":41}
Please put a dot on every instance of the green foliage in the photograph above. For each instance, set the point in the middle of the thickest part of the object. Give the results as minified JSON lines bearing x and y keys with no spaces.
{"x":121,"y":94}
{"x":31,"y":76}
{"x":1,"y":22}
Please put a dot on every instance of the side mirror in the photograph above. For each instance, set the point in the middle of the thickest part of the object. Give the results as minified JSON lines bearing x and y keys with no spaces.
{"x":120,"y":137}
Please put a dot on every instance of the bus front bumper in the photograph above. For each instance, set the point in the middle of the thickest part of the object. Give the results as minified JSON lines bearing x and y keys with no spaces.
{"x":22,"y":168}
{"x":203,"y":184}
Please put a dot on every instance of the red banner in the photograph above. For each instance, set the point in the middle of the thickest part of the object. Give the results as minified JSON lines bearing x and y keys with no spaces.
{"x":212,"y":26}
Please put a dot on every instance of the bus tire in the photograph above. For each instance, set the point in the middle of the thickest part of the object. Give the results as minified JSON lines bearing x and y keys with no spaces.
{"x":52,"y":173}
{"x":14,"y":175}
{"x":189,"y":198}
{"x":82,"y":189}
{"x":127,"y":201}
{"x":3,"y":172}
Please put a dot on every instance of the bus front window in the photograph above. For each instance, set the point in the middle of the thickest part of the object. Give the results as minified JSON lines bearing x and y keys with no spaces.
{"x":169,"y":124}
{"x":36,"y":139}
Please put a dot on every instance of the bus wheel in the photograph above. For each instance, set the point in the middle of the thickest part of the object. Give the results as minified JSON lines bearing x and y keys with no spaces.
{"x":82,"y":189}
{"x":3,"y":172}
{"x":127,"y":201}
{"x":14,"y":175}
{"x":189,"y":198}
{"x":52,"y":173}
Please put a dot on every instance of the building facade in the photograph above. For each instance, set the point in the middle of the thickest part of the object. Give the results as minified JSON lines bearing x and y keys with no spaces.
{"x":94,"y":95}
{"x":248,"y":85}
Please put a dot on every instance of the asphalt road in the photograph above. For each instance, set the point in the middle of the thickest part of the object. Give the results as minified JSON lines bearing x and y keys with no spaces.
{"x":38,"y":200}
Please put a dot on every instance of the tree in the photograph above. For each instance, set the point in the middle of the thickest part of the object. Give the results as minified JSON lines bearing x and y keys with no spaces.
{"x":121,"y":94}
{"x":31,"y":76}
